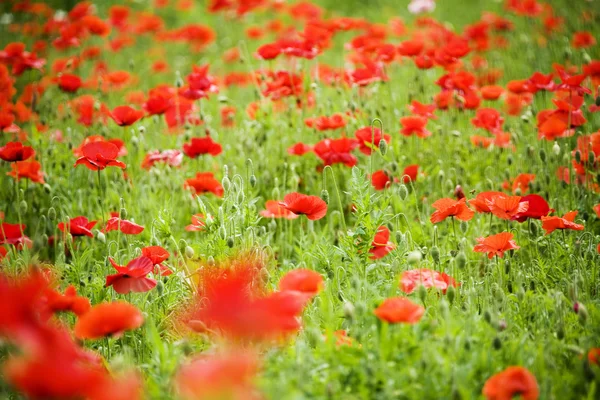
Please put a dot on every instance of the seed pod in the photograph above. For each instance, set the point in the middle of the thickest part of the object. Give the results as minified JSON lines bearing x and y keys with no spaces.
{"x":226,"y":183}
{"x":463,"y":227}
{"x":210,"y":261}
{"x":402,"y":191}
{"x":325,"y":196}
{"x":383,"y":147}
{"x":542,"y":155}
{"x":497,"y":343}
{"x":230,"y":241}
{"x":52,"y":214}
{"x":349,"y":310}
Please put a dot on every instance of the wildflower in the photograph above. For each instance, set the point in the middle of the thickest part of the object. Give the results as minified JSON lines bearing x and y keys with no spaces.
{"x":78,"y":226}
{"x":172,"y":158}
{"x":511,"y":382}
{"x":305,"y":281}
{"x":368,"y":138}
{"x":201,"y":146}
{"x":15,"y":151}
{"x":274,"y":209}
{"x":69,"y":83}
{"x":381,"y":245}
{"x":399,"y":310}
{"x":550,"y":224}
{"x":205,"y":182}
{"x":410,"y":280}
{"x":447,"y":207}
{"x":506,"y":207}
{"x":31,"y":170}
{"x":108,"y":319}
{"x":99,"y":155}
{"x":536,"y":209}
{"x":414,"y":125}
{"x":125,"y":226}
{"x":133,"y":277}
{"x":13,"y":234}
{"x":496,"y":245}
{"x":380,"y":180}
{"x":125,"y":115}
{"x":334,"y":151}
{"x":312,"y":206}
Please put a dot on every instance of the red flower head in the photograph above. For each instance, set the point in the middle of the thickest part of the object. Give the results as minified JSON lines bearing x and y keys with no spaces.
{"x":480,"y":202}
{"x":125,"y":115}
{"x":312,"y":206}
{"x":488,"y":119}
{"x":369,"y":138}
{"x":381,"y":245}
{"x":127,"y":227}
{"x":274,"y":209}
{"x":205,"y":182}
{"x":521,"y":182}
{"x":99,"y":155}
{"x":31,"y":170}
{"x":133,"y":277}
{"x":201,"y":146}
{"x":299,"y":149}
{"x":399,"y":310}
{"x":108,"y":319}
{"x":410,"y":280}
{"x":410,"y":173}
{"x":200,"y":84}
{"x":582,"y":40}
{"x":422,"y":110}
{"x":197,"y":224}
{"x":496,"y":245}
{"x":171,"y":158}
{"x":334,"y":151}
{"x":158,"y":102}
{"x":380,"y":180}
{"x":414,"y":125}
{"x":447,"y":207}
{"x":537,"y":208}
{"x":158,"y":255}
{"x":325,"y":123}
{"x":550,"y":224}
{"x":506,"y":207}
{"x":305,"y":281}
{"x":69,"y":301}
{"x":79,"y":226}
{"x":513,"y":381}
{"x":69,"y":83}
{"x":15,"y":151}
{"x":13,"y":234}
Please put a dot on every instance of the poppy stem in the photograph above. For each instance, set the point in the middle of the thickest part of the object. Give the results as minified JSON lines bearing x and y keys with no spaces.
{"x":454,"y":231}
{"x":102,"y":195}
{"x":337,"y":193}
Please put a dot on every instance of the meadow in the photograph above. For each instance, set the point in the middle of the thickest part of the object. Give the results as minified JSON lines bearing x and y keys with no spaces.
{"x":270,"y":199}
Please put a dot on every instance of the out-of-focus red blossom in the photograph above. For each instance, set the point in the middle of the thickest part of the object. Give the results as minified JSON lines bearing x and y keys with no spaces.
{"x":521,"y":183}
{"x":381,"y":180}
{"x":491,"y":92}
{"x":282,"y":84}
{"x":172,"y":158}
{"x":132,"y":277}
{"x":273,"y":209}
{"x":205,"y":182}
{"x":399,"y":310}
{"x":537,"y":208}
{"x":99,"y":155}
{"x":14,"y":55}
{"x":496,"y":245}
{"x":125,"y":226}
{"x":31,"y":170}
{"x":448,"y":207}
{"x":506,"y":207}
{"x":300,"y":204}
{"x":201,"y":146}
{"x":228,"y":116}
{"x":158,"y":102}
{"x":513,"y":381}
{"x":78,"y":226}
{"x":69,"y":83}
{"x":551,"y":223}
{"x":381,"y":244}
{"x":219,"y":376}
{"x":593,"y":356}
{"x":325,"y":123}
{"x":368,"y":138}
{"x":334,"y":151}
{"x":305,"y":281}
{"x":200,"y":84}
{"x":13,"y":234}
{"x":410,"y":173}
{"x":157,"y":256}
{"x":78,"y":151}
{"x":414,"y":125}
{"x":197,"y":224}
{"x":410,"y":280}
{"x":69,"y":301}
{"x":488,"y":119}
{"x":299,"y":149}
{"x":108,"y":319}
{"x":583,"y":40}
{"x":7,"y":124}
{"x":125,"y":115}
{"x":422,"y":110}
{"x":15,"y":151}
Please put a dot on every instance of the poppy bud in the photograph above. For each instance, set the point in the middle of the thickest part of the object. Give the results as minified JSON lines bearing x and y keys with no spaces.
{"x":422,"y":293}
{"x":487,"y":317}
{"x":556,"y":149}
{"x":402,"y":191}
{"x":383,"y":147}
{"x":497,"y":343}
{"x":230,"y":242}
{"x":253,"y":180}
{"x":414,"y":257}
{"x":400,"y":238}
{"x":23,"y":206}
{"x":189,"y":252}
{"x":178,"y":80}
{"x":578,"y":157}
{"x":598,"y":100}
{"x":518,"y":191}
{"x":507,"y":267}
{"x":160,"y":287}
{"x":210,"y":261}
{"x":226,"y":183}
{"x":123,"y":213}
{"x":458,"y":192}
{"x":47,"y":188}
{"x":272,"y":225}
{"x":435,"y":254}
{"x":441,"y":175}
{"x":394,"y":166}
{"x":581,"y":311}
{"x":101,"y":237}
{"x":586,"y":58}
{"x":463,"y":227}
{"x":52,"y":214}
{"x":591,"y":158}
{"x":560,"y":331}
{"x":460,"y":259}
{"x":349,"y":310}
{"x":543,"y":155}
{"x":222,"y":232}
{"x":142,"y":130}
{"x":325,"y":196}
{"x":451,"y":294}
{"x":509,"y":159}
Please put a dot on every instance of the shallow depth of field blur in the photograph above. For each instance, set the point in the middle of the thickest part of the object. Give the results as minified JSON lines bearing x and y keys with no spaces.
{"x":281,"y":199}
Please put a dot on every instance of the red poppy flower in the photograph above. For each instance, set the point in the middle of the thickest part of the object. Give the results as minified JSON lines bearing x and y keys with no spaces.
{"x":496,"y":245}
{"x":7,"y":120}
{"x":299,"y":149}
{"x":69,"y":301}
{"x":491,"y":92}
{"x":219,"y":376}
{"x":582,"y":40}
{"x":69,"y":83}
{"x":99,"y":155}
{"x":312,"y":206}
{"x":172,"y":158}
{"x":108,"y":319}
{"x":410,"y":280}
{"x":14,"y":234}
{"x":158,"y":103}
{"x":414,"y":125}
{"x":274,"y":209}
{"x":325,"y":123}
{"x":125,"y":115}
{"x":3,"y":253}
{"x":205,"y":182}
{"x":305,"y":281}
{"x":381,"y":245}
{"x":380,"y":180}
{"x":506,"y":207}
{"x":597,"y":210}
{"x":15,"y":151}
{"x":31,"y":170}
{"x":593,"y":356}
{"x":537,"y":208}
{"x":197,"y":224}
{"x":550,"y":224}
{"x":521,"y":182}
{"x":133,"y":277}
{"x":158,"y":255}
{"x":200,"y":84}
{"x":201,"y":146}
{"x":125,"y":226}
{"x":410,"y":173}
{"x":513,"y":381}
{"x":268,"y":51}
{"x":447,"y":207}
{"x":488,"y":119}
{"x":399,"y":310}
{"x":369,"y":138}
{"x":334,"y":151}
{"x":78,"y":151}
{"x":78,"y":226}
{"x":422,"y":110}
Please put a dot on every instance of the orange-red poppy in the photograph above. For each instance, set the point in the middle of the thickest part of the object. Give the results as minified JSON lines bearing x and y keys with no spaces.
{"x":108,"y":319}
{"x":513,"y":381}
{"x":396,"y":310}
{"x":496,"y":245}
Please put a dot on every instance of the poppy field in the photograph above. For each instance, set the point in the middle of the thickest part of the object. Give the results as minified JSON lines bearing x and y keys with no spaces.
{"x":290,"y":199}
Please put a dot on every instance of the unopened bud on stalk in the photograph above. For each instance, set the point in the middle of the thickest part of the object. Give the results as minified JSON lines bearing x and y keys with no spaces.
{"x":101,"y":237}
{"x":189,"y":252}
{"x":414,"y":257}
{"x":210,"y":261}
{"x":23,"y":206}
{"x":497,"y":343}
{"x":142,"y":130}
{"x":598,"y":98}
{"x":178,"y":80}
{"x":383,"y":147}
{"x":581,"y":311}
{"x":451,"y":294}
{"x":487,"y":317}
{"x":123,"y":213}
{"x":435,"y":254}
{"x":253,"y":181}
{"x":349,"y":310}
{"x":230,"y":241}
{"x":52,"y":214}
{"x":578,"y":157}
{"x":422,"y":293}
{"x":226,"y":183}
{"x":543,"y":155}
{"x":325,"y":196}
{"x":460,"y":259}
{"x":402,"y":191}
{"x":556,"y":149}
{"x":464,"y":227}
{"x":160,"y":287}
